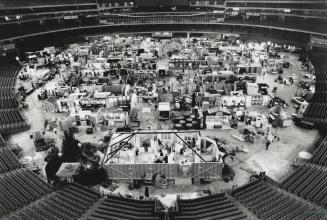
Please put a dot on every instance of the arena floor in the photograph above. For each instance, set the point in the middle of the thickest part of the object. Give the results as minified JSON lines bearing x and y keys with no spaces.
{"x":275,"y":162}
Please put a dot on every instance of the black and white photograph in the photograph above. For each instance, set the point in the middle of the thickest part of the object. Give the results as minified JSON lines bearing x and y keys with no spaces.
{"x":163,"y":109}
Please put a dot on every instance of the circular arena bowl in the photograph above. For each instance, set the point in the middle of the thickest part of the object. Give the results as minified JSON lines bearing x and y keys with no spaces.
{"x":300,"y":191}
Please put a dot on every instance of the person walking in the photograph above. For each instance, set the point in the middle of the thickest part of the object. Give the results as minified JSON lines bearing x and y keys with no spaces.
{"x":146,"y":192}
{"x":267,"y":144}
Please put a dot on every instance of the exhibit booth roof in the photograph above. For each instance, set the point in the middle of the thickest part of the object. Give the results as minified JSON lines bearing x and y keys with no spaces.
{"x":120,"y":140}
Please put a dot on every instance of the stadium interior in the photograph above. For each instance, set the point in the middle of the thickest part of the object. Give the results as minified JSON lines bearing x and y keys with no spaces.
{"x":163,"y":109}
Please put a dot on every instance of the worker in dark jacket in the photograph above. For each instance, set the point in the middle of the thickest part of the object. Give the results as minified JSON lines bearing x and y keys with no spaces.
{"x":267,"y":144}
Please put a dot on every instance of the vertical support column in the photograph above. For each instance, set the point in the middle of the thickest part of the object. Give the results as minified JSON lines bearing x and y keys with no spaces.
{"x":61,"y":21}
{"x":281,"y":18}
{"x":308,"y":45}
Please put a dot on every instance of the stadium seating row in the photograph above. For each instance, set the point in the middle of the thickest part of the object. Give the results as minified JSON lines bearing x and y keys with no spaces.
{"x":8,"y":116}
{"x":319,"y":61}
{"x":8,"y":70}
{"x":320,"y":154}
{"x":8,"y":102}
{"x":318,"y":122}
{"x":18,"y":188}
{"x":114,"y":208}
{"x":2,"y":142}
{"x":11,"y":119}
{"x":25,"y":196}
{"x":309,"y":182}
{"x":68,"y":202}
{"x":269,"y":202}
{"x":217,"y":206}
{"x":318,"y":110}
{"x":8,"y":161}
{"x":319,"y":97}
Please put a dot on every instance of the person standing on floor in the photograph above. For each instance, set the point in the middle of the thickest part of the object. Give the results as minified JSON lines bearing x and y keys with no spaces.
{"x":146,"y":192}
{"x":267,"y":144}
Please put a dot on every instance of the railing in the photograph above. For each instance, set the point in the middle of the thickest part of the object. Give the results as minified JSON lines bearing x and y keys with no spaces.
{"x":280,"y":5}
{"x":279,"y":12}
{"x":162,"y":17}
{"x":170,"y":171}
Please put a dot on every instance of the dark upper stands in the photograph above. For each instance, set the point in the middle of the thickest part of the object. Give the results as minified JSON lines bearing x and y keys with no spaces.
{"x":217,"y":206}
{"x":66,"y":14}
{"x":115,"y":208}
{"x":29,"y":3}
{"x":269,"y":202}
